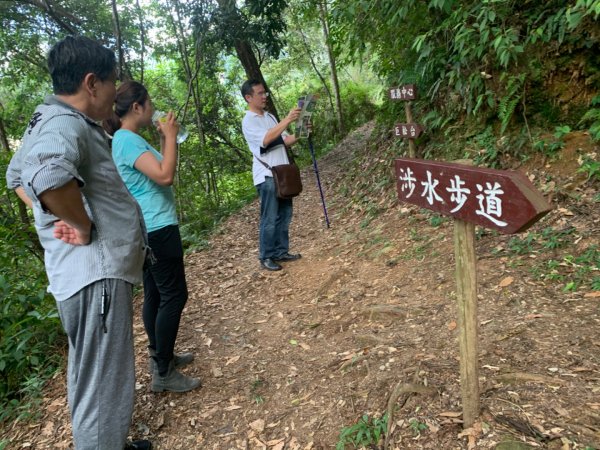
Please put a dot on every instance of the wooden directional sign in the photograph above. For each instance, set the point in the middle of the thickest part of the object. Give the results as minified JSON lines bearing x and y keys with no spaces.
{"x":499,"y":199}
{"x":408,"y":130}
{"x":406,"y":92}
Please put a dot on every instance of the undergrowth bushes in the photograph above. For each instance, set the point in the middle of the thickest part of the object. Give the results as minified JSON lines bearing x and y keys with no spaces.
{"x":29,"y":325}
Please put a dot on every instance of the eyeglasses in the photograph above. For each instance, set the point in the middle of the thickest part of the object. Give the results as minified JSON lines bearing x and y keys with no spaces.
{"x":263,"y":94}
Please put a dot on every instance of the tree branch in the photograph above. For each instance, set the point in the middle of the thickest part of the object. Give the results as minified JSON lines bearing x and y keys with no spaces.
{"x":57,"y":13}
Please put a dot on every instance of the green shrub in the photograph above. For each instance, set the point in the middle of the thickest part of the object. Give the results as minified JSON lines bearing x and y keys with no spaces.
{"x":29,"y":328}
{"x":367,"y":432}
{"x":592,"y":119}
{"x":358,"y":104}
{"x":590,"y":167}
{"x":29,"y":324}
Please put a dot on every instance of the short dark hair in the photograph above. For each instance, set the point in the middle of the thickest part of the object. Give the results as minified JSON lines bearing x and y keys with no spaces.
{"x":72,"y":58}
{"x":248,"y":86}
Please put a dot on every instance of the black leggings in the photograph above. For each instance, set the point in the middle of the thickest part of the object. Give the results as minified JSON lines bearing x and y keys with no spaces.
{"x":165,"y":294}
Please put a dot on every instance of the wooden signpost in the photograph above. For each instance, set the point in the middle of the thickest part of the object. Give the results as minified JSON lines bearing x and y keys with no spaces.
{"x":502,"y":200}
{"x":408,"y":130}
{"x":406,"y":92}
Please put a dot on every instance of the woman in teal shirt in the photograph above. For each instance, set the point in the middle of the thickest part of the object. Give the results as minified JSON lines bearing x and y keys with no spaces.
{"x":149,"y":175}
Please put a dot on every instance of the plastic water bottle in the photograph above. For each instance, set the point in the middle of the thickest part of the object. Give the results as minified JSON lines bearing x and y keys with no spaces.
{"x":181,"y":135}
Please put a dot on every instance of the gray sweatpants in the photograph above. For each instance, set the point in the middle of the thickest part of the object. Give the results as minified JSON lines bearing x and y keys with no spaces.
{"x":100,"y":372}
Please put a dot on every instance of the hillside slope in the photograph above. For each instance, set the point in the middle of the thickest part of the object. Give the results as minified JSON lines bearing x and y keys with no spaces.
{"x":289,"y":359}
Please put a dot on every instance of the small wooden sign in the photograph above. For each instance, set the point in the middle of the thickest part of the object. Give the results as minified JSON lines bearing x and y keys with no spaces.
{"x":406,"y":92}
{"x":408,"y":130}
{"x":499,"y":199}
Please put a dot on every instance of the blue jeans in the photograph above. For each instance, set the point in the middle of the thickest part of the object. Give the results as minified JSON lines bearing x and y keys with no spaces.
{"x":275,"y":218}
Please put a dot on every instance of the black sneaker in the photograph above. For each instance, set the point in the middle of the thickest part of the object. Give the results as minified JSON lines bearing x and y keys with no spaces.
{"x":139,"y":445}
{"x":288,"y":257}
{"x":269,"y":264}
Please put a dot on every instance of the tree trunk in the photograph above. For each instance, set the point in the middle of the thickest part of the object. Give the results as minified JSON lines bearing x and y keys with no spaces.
{"x":123,"y":71}
{"x":252,"y":68}
{"x":3,"y":136}
{"x":334,"y":77}
{"x":246,"y":55}
{"x":191,"y":73}
{"x":142,"y":38}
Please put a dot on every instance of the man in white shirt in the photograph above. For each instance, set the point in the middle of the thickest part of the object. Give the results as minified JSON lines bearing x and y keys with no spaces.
{"x":267,"y":140}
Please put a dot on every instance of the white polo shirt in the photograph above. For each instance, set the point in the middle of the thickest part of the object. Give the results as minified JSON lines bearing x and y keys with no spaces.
{"x":255,"y":127}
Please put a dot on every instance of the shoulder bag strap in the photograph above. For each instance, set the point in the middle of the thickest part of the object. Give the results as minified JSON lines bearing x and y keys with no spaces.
{"x":289,"y":153}
{"x":263,"y":163}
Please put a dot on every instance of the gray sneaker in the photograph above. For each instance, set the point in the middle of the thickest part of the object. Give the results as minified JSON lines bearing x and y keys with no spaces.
{"x":173,"y":381}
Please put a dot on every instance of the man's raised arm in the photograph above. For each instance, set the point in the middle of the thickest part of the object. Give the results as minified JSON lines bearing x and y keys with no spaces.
{"x":278,"y":129}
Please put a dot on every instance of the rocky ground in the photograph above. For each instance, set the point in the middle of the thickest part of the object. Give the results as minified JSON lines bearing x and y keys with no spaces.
{"x":365,"y":322}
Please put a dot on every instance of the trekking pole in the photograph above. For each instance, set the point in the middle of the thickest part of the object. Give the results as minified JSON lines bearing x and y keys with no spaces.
{"x":316,"y":168}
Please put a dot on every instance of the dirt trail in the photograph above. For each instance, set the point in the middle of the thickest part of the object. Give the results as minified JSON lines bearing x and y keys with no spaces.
{"x":290,"y":358}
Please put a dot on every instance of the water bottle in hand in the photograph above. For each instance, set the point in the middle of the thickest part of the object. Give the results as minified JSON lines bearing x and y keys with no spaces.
{"x":161,"y":116}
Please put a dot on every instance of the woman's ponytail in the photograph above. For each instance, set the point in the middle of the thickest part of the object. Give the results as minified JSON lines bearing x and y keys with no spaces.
{"x":112,"y":124}
{"x":128,"y":93}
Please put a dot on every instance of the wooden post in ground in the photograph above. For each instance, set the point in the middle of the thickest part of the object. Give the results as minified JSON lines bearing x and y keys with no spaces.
{"x":466,"y":301}
{"x":502,"y":200}
{"x":466,"y":296}
{"x":409,"y":119}
{"x":408,"y":130}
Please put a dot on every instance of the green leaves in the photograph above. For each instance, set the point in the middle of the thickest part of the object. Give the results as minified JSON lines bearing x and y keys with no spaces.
{"x":590,"y":167}
{"x":29,"y":324}
{"x":592,"y":118}
{"x":368,"y":431}
{"x":508,"y":103}
{"x":582,"y":8}
{"x":459,"y":50}
{"x":573,"y":17}
{"x":444,"y":5}
{"x":29,"y":327}
{"x":258,"y":21}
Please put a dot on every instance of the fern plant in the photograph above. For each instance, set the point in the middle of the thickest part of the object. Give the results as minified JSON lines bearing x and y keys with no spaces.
{"x":592,"y":117}
{"x":508,"y":103}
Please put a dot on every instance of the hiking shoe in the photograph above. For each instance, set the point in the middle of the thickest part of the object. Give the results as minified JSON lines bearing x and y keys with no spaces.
{"x":288,"y":257}
{"x":139,"y":445}
{"x":173,"y":381}
{"x":181,"y":359}
{"x":269,"y":264}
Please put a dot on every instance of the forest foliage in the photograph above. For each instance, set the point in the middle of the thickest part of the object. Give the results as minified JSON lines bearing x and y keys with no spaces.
{"x":485,"y":69}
